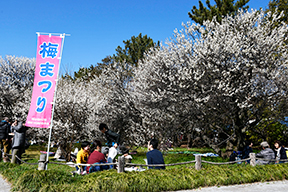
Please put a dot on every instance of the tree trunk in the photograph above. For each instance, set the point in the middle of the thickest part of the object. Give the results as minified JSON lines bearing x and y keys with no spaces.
{"x":66,"y":149}
{"x":214,"y":147}
{"x":189,"y":140}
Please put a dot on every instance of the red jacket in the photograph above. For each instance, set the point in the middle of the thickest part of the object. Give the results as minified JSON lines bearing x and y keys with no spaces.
{"x":95,"y":157}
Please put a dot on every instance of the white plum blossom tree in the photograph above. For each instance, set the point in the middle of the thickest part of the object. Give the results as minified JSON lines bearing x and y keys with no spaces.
{"x":73,"y":109}
{"x":216,"y":78}
{"x":118,"y":109}
{"x":75,"y":118}
{"x":16,"y":81}
{"x":73,"y":106}
{"x":80,"y":105}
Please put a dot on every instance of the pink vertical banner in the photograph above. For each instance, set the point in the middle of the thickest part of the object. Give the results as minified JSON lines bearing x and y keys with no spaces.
{"x":46,"y":72}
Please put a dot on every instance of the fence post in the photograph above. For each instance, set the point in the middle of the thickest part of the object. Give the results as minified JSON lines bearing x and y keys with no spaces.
{"x":253,"y":159}
{"x":41,"y":164}
{"x":198,"y":162}
{"x":121,"y":164}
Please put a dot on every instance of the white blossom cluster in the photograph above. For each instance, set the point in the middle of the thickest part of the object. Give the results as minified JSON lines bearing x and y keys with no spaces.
{"x":214,"y":75}
{"x":16,"y":80}
{"x":118,"y":107}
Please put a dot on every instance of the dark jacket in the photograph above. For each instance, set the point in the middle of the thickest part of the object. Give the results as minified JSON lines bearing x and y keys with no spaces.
{"x":19,"y":136}
{"x":247,"y":150}
{"x":112,"y":137}
{"x":282,"y":153}
{"x":4,"y":129}
{"x":155,"y":157}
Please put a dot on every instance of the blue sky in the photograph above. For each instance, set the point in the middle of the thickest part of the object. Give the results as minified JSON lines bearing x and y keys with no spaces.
{"x":96,"y":27}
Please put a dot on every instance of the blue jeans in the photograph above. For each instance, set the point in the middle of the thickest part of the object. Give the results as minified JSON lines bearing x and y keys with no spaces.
{"x":110,"y":160}
{"x":98,"y":168}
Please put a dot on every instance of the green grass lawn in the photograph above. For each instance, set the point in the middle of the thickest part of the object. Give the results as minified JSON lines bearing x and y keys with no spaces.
{"x":26,"y":177}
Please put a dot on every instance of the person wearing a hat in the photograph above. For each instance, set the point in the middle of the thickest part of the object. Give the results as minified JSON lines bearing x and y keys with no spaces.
{"x":267,"y":153}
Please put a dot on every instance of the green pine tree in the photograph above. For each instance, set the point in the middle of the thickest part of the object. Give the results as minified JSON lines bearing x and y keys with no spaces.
{"x":132,"y":53}
{"x":134,"y":49}
{"x":220,"y":9}
{"x":279,"y":5}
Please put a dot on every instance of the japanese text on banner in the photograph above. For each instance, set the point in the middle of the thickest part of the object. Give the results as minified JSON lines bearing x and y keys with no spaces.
{"x":46,"y":72}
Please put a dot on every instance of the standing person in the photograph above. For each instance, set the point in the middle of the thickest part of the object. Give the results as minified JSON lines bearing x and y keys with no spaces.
{"x":280,"y":152}
{"x":154,"y":156}
{"x":110,"y":135}
{"x":267,"y":153}
{"x":96,"y":157}
{"x":4,"y":136}
{"x":82,"y":157}
{"x":18,"y":142}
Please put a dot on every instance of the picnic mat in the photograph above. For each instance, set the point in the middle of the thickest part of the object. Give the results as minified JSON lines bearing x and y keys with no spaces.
{"x":194,"y":153}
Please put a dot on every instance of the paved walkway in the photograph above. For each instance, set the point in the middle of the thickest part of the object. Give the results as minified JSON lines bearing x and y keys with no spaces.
{"x":279,"y":186}
{"x":4,"y":185}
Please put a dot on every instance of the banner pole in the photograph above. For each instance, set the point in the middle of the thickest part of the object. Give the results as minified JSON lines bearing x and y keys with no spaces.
{"x":54,"y":101}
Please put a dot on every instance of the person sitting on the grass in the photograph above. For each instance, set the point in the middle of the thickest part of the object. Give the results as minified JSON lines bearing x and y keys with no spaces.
{"x":82,"y":156}
{"x":125,"y":152}
{"x":247,"y":150}
{"x":280,"y":152}
{"x":112,"y":154}
{"x":154,"y":156}
{"x":105,"y":151}
{"x":96,"y":157}
{"x":267,"y":154}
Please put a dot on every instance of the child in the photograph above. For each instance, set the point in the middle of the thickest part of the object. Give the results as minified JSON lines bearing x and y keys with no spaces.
{"x":82,"y":157}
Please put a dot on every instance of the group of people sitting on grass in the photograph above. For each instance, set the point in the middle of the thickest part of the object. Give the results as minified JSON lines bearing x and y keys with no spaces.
{"x":266,"y":154}
{"x":94,"y":154}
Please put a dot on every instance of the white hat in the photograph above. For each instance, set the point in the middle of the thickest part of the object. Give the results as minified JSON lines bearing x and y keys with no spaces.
{"x":264,"y":144}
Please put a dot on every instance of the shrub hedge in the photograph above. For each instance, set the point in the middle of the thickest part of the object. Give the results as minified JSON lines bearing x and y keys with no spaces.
{"x":27,"y":178}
